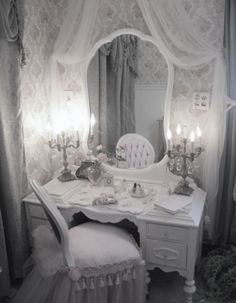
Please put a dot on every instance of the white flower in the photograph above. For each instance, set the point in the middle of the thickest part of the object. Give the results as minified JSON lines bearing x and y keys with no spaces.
{"x":99,"y":148}
{"x":101,"y":157}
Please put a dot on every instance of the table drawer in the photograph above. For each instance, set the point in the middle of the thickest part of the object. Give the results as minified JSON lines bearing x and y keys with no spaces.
{"x":35,"y":222}
{"x":166,"y":253}
{"x":37,"y":211}
{"x":155,"y":231}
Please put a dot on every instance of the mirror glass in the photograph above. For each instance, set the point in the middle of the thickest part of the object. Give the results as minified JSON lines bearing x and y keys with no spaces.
{"x":127,"y":81}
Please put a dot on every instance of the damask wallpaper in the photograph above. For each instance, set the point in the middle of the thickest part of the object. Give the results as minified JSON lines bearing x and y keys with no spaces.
{"x":117,"y":14}
{"x":42,"y":23}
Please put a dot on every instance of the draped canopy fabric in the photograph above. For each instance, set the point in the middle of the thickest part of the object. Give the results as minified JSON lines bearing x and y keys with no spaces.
{"x":13,"y":181}
{"x":178,"y":41}
{"x":9,"y":28}
{"x":116,"y":90}
{"x":120,"y":49}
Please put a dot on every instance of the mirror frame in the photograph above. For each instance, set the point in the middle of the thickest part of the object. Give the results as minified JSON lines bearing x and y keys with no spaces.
{"x":170,"y":78}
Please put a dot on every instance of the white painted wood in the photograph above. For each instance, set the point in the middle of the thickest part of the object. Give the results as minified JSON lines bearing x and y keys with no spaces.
{"x":37,"y":211}
{"x":189,"y":289}
{"x":155,"y":231}
{"x":169,"y":242}
{"x":35,"y":222}
{"x":142,"y":36}
{"x":166,"y":253}
{"x":156,"y":172}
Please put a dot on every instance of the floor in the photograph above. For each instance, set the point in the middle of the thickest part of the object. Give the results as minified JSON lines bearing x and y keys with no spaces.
{"x":168,"y":288}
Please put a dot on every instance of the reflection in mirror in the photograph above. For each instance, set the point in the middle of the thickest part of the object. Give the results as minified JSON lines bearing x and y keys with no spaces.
{"x":127,"y":80}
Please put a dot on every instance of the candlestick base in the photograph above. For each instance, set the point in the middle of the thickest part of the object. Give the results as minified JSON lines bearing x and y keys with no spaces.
{"x":183,"y":188}
{"x":66,"y":176}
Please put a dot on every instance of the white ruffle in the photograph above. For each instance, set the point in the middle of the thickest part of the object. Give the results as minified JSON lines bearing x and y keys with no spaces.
{"x":48,"y":258}
{"x":47,"y":252}
{"x":74,"y":274}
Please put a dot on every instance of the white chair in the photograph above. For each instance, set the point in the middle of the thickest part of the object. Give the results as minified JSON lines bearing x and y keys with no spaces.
{"x":139,"y":152}
{"x":90,"y":263}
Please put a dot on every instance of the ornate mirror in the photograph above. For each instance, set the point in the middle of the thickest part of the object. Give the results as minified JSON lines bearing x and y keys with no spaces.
{"x":127,"y":83}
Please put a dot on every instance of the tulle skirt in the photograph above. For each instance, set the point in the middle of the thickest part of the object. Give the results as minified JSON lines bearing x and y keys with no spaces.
{"x":59,"y":288}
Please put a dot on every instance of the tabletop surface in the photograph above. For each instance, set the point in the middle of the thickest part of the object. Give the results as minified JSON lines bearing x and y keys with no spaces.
{"x":81,"y":194}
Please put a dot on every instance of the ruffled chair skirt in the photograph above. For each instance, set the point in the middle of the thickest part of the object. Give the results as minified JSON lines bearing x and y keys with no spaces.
{"x":60,"y":288}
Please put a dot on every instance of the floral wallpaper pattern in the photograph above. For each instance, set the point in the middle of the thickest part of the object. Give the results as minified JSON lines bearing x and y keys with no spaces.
{"x":208,"y":18}
{"x":117,"y":14}
{"x":42,"y":23}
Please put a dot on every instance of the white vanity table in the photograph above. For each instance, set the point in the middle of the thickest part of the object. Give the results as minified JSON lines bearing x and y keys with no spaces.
{"x":169,"y":242}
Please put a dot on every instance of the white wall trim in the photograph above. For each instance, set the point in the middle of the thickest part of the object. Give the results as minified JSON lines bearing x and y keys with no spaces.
{"x":151,"y":87}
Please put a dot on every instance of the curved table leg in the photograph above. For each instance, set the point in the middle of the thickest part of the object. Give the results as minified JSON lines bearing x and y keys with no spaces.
{"x":148,"y":280}
{"x":189,"y":289}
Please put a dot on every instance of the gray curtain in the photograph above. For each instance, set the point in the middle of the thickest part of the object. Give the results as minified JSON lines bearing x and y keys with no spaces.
{"x":8,"y":20}
{"x":12,"y":161}
{"x":226,"y":208}
{"x":4,"y":272}
{"x":117,"y":73}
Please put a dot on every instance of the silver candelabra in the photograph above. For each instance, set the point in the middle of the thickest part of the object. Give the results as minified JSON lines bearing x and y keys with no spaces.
{"x":61,"y":144}
{"x":181,"y":164}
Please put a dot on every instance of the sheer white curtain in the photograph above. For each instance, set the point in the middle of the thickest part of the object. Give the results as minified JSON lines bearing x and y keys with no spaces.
{"x":73,"y":44}
{"x":177,"y":39}
{"x":183,"y":46}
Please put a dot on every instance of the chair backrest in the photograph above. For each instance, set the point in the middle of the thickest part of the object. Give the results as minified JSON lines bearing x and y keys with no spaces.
{"x":139,"y":152}
{"x":56,"y":220}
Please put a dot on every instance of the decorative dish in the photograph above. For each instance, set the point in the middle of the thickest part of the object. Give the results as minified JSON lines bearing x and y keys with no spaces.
{"x":138,"y":191}
{"x":142,"y":194}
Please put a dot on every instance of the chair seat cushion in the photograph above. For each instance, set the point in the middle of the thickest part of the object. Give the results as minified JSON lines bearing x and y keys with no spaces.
{"x":101,"y":246}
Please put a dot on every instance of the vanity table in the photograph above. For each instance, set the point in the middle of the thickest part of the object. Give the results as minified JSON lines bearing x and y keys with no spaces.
{"x":171,"y":242}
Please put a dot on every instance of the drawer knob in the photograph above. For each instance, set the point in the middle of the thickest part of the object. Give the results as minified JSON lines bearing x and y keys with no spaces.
{"x":166,"y":234}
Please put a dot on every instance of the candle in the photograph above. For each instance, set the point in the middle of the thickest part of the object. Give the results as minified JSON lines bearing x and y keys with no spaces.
{"x":185,"y":132}
{"x":92,"y":123}
{"x":192,"y":139}
{"x":199,"y":134}
{"x":48,"y":131}
{"x":169,"y":136}
{"x":178,"y":130}
{"x":58,"y":139}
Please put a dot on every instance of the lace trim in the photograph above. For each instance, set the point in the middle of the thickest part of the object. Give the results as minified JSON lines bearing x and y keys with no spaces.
{"x":105,"y":269}
{"x":108,"y":275}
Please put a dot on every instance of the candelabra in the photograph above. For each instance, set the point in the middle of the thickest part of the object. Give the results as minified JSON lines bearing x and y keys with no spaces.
{"x":181,"y":164}
{"x":61,"y":144}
